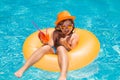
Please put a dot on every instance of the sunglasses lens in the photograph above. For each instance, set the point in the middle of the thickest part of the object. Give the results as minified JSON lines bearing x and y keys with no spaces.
{"x":70,"y":27}
{"x":62,"y":27}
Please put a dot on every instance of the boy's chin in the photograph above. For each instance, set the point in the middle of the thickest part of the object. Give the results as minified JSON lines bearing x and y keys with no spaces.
{"x":66,"y":33}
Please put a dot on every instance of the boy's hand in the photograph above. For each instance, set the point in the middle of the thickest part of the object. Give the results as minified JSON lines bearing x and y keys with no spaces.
{"x":64,"y":42}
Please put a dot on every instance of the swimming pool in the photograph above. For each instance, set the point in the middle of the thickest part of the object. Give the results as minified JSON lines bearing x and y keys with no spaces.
{"x":98,"y":16}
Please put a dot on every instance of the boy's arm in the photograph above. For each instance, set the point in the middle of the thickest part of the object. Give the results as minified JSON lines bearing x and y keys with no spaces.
{"x":74,"y":42}
{"x":51,"y":42}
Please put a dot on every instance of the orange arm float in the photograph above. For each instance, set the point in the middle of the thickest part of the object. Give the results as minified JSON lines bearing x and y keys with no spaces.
{"x":43,"y":37}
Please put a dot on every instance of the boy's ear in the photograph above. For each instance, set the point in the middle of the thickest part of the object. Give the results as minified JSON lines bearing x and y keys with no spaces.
{"x":72,"y":24}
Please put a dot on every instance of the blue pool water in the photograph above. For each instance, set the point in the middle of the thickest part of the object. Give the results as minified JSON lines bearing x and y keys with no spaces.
{"x":101,"y":17}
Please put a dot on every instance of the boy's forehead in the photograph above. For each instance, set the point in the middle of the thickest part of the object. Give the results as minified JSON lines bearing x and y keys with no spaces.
{"x":67,"y":22}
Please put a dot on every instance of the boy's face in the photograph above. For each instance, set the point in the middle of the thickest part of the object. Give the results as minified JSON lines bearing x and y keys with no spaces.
{"x":66,"y":27}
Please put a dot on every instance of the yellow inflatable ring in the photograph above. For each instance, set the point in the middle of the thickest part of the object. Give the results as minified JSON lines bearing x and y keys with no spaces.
{"x":83,"y":54}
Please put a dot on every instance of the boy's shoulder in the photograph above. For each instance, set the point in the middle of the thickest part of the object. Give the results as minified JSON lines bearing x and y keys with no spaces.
{"x":75,"y":35}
